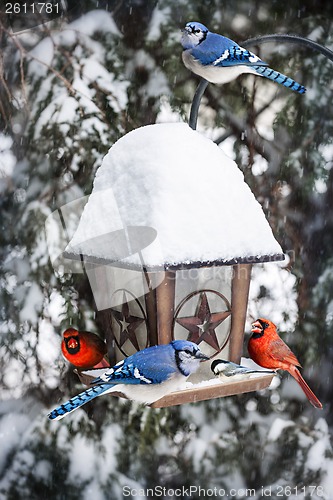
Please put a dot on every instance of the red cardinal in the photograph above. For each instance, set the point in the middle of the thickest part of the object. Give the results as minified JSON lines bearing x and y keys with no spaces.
{"x":268,"y":350}
{"x":83,"y":349}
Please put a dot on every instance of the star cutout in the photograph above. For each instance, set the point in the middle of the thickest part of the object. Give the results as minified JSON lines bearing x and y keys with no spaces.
{"x":128,"y":324}
{"x":123,"y":325}
{"x":202,"y":325}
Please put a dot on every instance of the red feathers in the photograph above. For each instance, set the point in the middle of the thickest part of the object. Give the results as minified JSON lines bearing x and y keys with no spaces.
{"x":268,"y":350}
{"x":83,"y":349}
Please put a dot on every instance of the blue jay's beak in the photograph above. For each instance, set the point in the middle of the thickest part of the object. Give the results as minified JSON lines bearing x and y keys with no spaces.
{"x":201,"y":356}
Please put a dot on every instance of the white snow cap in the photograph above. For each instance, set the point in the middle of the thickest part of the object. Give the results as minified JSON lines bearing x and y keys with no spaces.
{"x":170,"y":184}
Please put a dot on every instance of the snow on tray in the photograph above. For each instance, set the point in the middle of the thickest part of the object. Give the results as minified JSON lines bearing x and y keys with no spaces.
{"x":98,"y":372}
{"x":174,"y":180}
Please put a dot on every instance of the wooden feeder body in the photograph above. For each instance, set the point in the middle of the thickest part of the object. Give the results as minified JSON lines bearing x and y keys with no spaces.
{"x":193,"y":304}
{"x":142,"y":299}
{"x":149,"y":308}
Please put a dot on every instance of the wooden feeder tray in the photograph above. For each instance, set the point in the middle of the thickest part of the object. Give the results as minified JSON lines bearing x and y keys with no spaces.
{"x":214,"y":389}
{"x":207,"y":389}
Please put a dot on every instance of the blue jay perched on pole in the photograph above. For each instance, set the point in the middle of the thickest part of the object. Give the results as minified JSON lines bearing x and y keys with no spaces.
{"x":218,"y":59}
{"x":223,"y":368}
{"x":146,"y":376}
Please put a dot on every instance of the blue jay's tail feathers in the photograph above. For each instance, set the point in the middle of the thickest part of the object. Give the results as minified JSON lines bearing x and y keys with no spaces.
{"x":275,"y":76}
{"x":77,"y":401}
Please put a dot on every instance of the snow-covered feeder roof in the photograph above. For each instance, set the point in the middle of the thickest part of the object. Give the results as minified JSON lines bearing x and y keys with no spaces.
{"x":170,"y":197}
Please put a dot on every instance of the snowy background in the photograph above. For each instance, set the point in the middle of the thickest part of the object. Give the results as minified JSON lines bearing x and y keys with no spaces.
{"x":71,"y":89}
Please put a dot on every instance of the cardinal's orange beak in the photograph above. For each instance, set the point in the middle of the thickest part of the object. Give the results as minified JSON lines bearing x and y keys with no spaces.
{"x":256,"y":327}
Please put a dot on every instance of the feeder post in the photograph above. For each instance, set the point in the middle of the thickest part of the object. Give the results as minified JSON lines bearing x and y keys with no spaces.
{"x":165,"y":300}
{"x":150,"y":303}
{"x":239,"y":299}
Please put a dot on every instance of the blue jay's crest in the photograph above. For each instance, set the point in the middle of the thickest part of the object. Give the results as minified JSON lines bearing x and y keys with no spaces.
{"x":146,"y":376}
{"x":190,"y":348}
{"x":196,"y":27}
{"x":220,"y":60}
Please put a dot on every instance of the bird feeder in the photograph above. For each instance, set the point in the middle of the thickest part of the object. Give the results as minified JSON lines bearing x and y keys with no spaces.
{"x":167,"y":239}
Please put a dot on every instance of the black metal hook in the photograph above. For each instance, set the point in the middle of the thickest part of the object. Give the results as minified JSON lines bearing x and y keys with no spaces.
{"x":255,"y":41}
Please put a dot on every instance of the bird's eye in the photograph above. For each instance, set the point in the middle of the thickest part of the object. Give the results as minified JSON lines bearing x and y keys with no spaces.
{"x":187,"y":351}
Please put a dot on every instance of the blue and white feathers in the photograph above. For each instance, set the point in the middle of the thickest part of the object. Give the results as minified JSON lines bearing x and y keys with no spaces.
{"x":146,"y":376}
{"x":220,"y":60}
